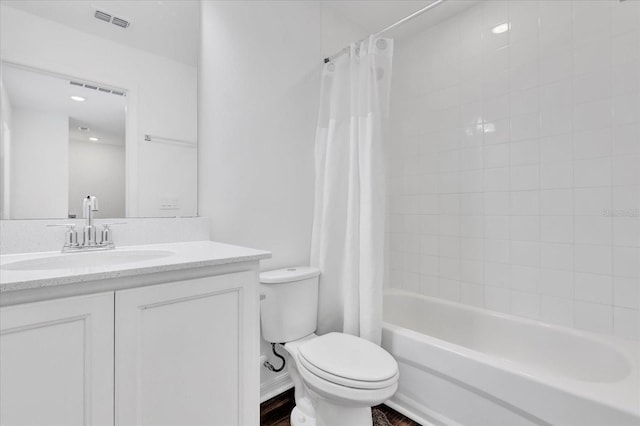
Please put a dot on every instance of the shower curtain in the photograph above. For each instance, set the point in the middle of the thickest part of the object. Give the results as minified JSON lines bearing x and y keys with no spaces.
{"x":348,"y":227}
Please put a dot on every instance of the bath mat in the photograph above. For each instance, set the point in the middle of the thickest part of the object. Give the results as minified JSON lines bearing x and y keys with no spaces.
{"x":379,"y":418}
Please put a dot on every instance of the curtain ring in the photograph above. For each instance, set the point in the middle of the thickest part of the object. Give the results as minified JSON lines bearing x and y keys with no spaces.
{"x":381,"y":43}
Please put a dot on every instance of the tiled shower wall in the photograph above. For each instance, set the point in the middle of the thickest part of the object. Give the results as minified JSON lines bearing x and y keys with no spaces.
{"x":515,"y":162}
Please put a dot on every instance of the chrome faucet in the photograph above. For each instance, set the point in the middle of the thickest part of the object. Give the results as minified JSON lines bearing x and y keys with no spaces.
{"x":89,"y":232}
{"x":89,"y":205}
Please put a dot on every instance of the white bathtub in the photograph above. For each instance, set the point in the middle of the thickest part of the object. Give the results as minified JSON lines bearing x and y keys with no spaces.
{"x":463,"y":365}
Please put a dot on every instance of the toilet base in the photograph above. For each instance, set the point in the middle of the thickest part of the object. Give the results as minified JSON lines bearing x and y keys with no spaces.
{"x":297,"y":418}
{"x":333,"y":415}
{"x":329,"y":413}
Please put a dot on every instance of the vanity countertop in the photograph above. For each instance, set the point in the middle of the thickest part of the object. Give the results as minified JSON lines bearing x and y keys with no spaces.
{"x":185,"y":255}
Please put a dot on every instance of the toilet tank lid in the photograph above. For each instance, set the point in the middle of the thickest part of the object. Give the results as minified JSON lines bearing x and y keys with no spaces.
{"x":287,"y":275}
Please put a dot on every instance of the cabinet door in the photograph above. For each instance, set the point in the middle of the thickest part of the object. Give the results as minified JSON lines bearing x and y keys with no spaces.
{"x":56,"y":362}
{"x":181,"y":352}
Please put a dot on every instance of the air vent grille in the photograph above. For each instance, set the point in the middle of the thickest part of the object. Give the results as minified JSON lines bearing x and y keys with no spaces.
{"x":102,"y":16}
{"x":99,"y":89}
{"x":108,"y":17}
{"x":120,"y":22}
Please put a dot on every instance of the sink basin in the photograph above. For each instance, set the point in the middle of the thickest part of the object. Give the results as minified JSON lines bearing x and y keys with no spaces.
{"x":86,"y":260}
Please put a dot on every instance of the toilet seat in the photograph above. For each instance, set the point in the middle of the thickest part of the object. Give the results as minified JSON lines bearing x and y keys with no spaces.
{"x":346,"y":395}
{"x":347,"y":360}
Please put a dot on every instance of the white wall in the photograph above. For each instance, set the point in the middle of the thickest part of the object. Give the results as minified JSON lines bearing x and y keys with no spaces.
{"x":39,"y":164}
{"x":259,"y":89}
{"x":259,"y":81}
{"x":5,"y":152}
{"x":162,"y":95}
{"x":338,"y":32}
{"x":510,"y":152}
{"x":96,"y":169}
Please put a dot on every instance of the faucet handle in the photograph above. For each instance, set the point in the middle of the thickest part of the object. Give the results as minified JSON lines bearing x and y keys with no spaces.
{"x":105,"y":234}
{"x":71,"y":237}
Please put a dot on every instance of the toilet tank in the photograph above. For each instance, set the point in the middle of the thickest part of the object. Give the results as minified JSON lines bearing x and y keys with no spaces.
{"x":289,"y":303}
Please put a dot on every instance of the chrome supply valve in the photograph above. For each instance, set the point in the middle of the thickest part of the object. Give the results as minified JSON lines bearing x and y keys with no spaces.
{"x":106,"y":234}
{"x":70,"y":237}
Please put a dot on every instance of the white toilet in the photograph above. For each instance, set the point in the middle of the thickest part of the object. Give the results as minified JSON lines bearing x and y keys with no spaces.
{"x":337,"y":377}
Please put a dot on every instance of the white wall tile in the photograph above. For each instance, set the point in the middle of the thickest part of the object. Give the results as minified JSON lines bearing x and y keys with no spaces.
{"x":556,"y":310}
{"x":514,"y":162}
{"x":525,"y":228}
{"x":556,"y":229}
{"x":593,"y":259}
{"x":594,"y":288}
{"x":592,"y":172}
{"x":626,"y":170}
{"x":556,"y":202}
{"x":556,"y":256}
{"x":496,"y":179}
{"x":556,"y":283}
{"x":592,"y":201}
{"x":593,"y":317}
{"x":525,"y":278}
{"x":626,"y":323}
{"x":626,"y":292}
{"x":592,"y":115}
{"x":525,"y":152}
{"x":556,"y":175}
{"x":625,"y":137}
{"x":525,"y":253}
{"x":592,"y":143}
{"x":525,"y":178}
{"x":626,"y":231}
{"x":593,"y":230}
{"x":626,"y":109}
{"x":626,"y":262}
{"x":472,"y":294}
{"x":496,"y":298}
{"x":525,"y":304}
{"x":496,"y":156}
{"x":556,"y":148}
{"x":525,"y":202}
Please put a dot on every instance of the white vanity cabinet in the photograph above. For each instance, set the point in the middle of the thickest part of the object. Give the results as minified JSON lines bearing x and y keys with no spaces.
{"x":167,"y":348}
{"x":183,"y":352}
{"x":56,"y":362}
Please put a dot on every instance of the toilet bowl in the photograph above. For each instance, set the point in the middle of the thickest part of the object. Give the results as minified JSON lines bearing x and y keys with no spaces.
{"x":337,"y":377}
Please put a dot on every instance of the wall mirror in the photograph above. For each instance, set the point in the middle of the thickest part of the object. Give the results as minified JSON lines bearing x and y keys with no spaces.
{"x":98,"y":97}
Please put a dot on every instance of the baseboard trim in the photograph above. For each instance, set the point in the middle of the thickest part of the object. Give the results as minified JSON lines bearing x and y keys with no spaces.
{"x":275,"y":387}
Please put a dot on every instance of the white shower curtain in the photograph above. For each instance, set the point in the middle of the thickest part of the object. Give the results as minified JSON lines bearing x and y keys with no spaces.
{"x":348,"y":228}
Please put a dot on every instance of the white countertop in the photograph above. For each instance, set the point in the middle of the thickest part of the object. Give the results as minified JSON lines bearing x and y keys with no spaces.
{"x":185,"y":255}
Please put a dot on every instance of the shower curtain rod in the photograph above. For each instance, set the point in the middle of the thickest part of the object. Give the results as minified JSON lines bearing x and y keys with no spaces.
{"x":384,"y":30}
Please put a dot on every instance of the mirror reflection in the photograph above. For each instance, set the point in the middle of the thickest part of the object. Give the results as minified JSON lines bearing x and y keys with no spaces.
{"x":63,"y":128}
{"x":132,"y":142}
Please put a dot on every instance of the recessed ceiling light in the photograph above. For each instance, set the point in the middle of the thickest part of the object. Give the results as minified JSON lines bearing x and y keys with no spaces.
{"x":78,"y":98}
{"x":502,"y":28}
{"x":92,"y":139}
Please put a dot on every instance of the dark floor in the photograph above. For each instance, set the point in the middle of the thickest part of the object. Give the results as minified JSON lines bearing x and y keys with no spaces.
{"x":276,"y":411}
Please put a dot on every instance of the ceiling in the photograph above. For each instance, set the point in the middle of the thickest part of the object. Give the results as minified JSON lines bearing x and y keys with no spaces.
{"x":375,"y":15}
{"x":103,"y":113}
{"x":169,"y":28}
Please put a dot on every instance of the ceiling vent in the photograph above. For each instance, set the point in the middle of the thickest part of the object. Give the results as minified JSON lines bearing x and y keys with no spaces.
{"x":108,"y":17}
{"x":120,"y":22}
{"x":102,"y":16}
{"x":116,"y":92}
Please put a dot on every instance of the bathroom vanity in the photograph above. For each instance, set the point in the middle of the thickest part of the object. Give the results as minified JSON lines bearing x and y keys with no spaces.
{"x":156,"y":334}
